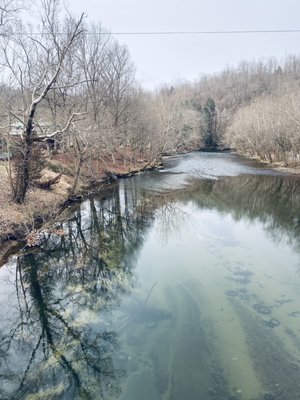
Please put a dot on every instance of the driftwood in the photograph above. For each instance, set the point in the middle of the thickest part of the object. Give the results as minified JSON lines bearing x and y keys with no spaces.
{"x":113,"y":176}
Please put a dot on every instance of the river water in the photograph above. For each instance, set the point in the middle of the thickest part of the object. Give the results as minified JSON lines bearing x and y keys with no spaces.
{"x":180,"y":284}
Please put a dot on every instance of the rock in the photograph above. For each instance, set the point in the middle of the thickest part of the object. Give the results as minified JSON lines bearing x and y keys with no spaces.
{"x":262,"y":309}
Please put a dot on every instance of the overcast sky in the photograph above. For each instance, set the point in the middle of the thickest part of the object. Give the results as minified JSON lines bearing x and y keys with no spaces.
{"x":161,"y":59}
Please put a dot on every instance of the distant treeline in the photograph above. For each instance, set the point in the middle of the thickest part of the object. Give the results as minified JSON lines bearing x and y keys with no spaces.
{"x":69,"y":87}
{"x":253,"y":108}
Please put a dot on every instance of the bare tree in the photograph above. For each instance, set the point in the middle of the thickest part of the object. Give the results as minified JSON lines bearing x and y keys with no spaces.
{"x":269,"y":128}
{"x":109,"y":74}
{"x":37,"y":66}
{"x":119,"y":79}
{"x":9,"y":10}
{"x":93,"y":57}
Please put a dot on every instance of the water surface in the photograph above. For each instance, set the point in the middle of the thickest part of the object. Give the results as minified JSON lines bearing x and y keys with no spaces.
{"x":177,"y":285}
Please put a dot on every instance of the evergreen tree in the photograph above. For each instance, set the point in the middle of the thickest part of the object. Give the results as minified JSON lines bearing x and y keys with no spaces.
{"x":209,"y":114}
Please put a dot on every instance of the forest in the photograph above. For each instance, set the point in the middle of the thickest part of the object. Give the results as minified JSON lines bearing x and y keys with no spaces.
{"x":70,"y":101}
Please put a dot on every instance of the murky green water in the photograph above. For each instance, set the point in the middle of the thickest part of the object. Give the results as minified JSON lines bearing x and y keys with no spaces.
{"x":176,"y":285}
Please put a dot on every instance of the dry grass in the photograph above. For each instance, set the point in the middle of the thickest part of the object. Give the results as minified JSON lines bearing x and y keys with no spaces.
{"x":14,"y":217}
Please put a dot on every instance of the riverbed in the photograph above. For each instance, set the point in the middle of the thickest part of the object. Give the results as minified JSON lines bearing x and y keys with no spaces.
{"x":179,"y":284}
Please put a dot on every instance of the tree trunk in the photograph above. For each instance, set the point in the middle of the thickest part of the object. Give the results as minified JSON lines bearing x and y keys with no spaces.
{"x":76,"y":179}
{"x":22,"y":172}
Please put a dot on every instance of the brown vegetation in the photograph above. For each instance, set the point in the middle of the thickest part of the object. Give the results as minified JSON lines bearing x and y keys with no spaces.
{"x":18,"y":220}
{"x":70,"y":104}
{"x":46,"y":198}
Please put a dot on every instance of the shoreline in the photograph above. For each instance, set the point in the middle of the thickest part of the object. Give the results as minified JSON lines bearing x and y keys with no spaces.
{"x":275,"y":166}
{"x":45,"y":208}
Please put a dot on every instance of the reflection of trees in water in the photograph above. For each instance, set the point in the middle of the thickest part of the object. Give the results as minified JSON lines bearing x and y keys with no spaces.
{"x":169,"y":212}
{"x":57,"y":342}
{"x":272,"y":200}
{"x":172,"y":218}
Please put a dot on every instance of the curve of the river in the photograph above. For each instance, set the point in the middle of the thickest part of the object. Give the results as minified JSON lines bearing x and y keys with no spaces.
{"x":180,"y":284}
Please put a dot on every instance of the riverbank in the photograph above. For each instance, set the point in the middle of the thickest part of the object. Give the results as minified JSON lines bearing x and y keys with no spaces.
{"x":42,"y":207}
{"x":17,"y":220}
{"x":275,"y":165}
{"x":281,"y":168}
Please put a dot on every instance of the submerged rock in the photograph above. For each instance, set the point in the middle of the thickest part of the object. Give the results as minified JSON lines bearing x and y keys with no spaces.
{"x":242,"y":272}
{"x":294,"y":314}
{"x":244,"y":296}
{"x":241,"y":280}
{"x":272,"y":323}
{"x":262,"y":309}
{"x":268,"y":396}
{"x":231,"y":293}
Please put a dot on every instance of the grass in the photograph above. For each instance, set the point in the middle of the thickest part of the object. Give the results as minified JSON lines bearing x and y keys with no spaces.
{"x":58,"y":167}
{"x":2,"y":168}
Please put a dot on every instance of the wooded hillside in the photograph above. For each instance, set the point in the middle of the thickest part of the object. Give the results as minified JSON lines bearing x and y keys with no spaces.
{"x":68,"y":93}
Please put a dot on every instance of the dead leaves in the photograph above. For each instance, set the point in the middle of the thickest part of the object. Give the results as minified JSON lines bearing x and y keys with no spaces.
{"x":37,"y":236}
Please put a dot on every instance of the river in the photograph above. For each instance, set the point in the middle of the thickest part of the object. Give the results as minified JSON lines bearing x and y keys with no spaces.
{"x":179,"y":284}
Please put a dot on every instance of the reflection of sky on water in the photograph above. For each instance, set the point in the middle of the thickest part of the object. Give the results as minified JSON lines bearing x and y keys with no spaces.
{"x":197,"y":264}
{"x":201,"y":165}
{"x":209,"y":165}
{"x":141,"y":278}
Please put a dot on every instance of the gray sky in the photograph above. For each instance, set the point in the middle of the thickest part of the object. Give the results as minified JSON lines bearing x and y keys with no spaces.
{"x":169,"y":58}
